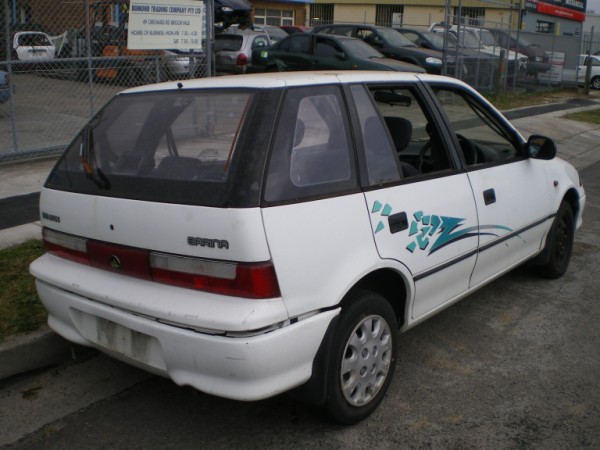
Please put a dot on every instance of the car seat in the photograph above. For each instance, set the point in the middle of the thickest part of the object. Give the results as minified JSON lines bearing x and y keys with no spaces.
{"x":401,"y":131}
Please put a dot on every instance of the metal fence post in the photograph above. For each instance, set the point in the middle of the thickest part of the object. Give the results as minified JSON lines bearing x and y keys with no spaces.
{"x":210,"y":29}
{"x":88,"y":37}
{"x":10,"y":77}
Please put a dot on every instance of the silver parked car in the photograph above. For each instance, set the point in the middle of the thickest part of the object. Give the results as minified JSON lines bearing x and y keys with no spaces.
{"x":233,"y":51}
{"x":183,"y":63}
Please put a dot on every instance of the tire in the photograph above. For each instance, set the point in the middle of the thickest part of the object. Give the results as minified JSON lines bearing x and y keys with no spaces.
{"x":363,"y":358}
{"x":596,"y":82}
{"x":560,"y":243}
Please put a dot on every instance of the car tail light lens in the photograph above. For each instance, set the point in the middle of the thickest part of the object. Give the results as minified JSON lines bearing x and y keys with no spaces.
{"x":238,"y":279}
{"x":65,"y":245}
{"x":242,"y":59}
{"x":248,"y":280}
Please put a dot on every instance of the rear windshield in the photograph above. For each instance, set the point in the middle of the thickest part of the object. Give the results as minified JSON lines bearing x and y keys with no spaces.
{"x":228,"y":43}
{"x":176,"y":146}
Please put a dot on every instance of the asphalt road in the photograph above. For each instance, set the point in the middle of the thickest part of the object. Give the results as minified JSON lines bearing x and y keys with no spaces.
{"x":516,"y":365}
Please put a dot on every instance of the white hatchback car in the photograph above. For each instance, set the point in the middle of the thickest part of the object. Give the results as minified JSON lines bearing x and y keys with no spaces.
{"x":250,"y":235}
{"x":33,"y":46}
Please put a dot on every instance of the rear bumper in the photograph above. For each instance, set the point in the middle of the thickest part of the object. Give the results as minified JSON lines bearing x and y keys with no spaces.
{"x":239,"y":368}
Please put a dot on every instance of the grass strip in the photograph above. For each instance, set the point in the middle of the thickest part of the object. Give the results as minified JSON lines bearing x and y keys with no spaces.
{"x":20,"y":308}
{"x":592,"y":116}
{"x":511,"y":100}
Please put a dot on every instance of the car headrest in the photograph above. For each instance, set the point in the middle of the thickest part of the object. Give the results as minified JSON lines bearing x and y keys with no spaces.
{"x":401,"y":131}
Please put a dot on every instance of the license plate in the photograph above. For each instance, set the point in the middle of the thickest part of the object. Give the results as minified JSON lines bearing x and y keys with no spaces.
{"x":123,"y":340}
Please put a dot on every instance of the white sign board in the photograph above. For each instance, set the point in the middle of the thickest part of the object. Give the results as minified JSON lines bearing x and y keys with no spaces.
{"x":156,"y":24}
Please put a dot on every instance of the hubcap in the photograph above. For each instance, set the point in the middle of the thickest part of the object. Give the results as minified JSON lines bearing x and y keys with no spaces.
{"x":366,"y":360}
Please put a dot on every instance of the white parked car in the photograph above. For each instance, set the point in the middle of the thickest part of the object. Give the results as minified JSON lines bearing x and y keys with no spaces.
{"x":250,"y":235}
{"x":484,"y":41}
{"x":579,"y":72}
{"x":34,"y":46}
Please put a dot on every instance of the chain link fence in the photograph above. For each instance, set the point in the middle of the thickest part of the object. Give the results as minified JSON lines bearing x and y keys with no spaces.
{"x":521,"y":61}
{"x":62,"y":61}
{"x":490,"y":56}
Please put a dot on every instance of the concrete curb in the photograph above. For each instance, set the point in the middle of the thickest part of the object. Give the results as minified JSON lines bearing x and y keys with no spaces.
{"x":41,"y":348}
{"x":17,"y":235}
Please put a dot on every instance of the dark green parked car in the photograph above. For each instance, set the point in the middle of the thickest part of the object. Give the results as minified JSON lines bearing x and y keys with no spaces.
{"x":303,"y":51}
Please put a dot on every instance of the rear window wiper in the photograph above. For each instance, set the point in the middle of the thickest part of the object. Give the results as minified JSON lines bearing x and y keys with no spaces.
{"x":88,"y":161}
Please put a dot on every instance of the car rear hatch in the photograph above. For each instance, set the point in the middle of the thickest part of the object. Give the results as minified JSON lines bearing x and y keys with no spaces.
{"x":153,"y":191}
{"x":227,"y":47}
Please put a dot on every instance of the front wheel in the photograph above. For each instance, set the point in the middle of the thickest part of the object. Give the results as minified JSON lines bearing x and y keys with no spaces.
{"x":363,"y":358}
{"x":560,"y":243}
{"x":596,"y":82}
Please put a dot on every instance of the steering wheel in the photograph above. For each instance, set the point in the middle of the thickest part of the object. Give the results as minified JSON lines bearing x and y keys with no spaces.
{"x":425,"y":160}
{"x":469,"y":150}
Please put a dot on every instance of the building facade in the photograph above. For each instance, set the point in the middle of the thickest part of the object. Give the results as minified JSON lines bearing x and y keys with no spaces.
{"x":557,"y":17}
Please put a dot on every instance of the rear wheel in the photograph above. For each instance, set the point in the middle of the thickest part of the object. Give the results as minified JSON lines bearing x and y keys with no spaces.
{"x":596,"y":82}
{"x":363,"y":358}
{"x":560,"y":243}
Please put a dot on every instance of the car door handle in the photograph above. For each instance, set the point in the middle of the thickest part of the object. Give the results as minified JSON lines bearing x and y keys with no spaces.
{"x":489,"y":196}
{"x":398,"y":222}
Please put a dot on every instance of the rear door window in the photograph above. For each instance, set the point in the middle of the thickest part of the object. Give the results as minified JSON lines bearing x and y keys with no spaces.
{"x":312,"y":152}
{"x":299,"y":44}
{"x":228,"y":43}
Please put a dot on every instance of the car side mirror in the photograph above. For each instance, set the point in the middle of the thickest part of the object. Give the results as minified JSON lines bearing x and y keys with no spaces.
{"x":540,"y":147}
{"x":341,"y":56}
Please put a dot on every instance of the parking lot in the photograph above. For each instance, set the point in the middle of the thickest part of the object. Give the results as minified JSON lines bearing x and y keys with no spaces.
{"x":46,"y":112}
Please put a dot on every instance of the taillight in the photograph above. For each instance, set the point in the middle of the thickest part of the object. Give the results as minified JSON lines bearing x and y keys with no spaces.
{"x":242,"y":59}
{"x":65,"y":245}
{"x":248,"y":280}
{"x":251,"y":280}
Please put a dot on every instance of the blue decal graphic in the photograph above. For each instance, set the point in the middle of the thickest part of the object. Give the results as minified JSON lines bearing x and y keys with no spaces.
{"x":386,"y":210}
{"x":431,"y":232}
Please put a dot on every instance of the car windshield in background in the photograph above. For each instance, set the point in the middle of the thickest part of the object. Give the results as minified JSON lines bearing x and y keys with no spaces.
{"x":523,"y":41}
{"x":154,"y":145}
{"x":34,"y":40}
{"x":395,"y":38}
{"x":487,"y":38}
{"x":361,"y":49}
{"x":468,"y":40}
{"x":438,"y":39}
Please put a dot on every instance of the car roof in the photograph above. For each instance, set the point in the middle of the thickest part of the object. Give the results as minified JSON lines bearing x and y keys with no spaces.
{"x":414,"y":30}
{"x":339,"y":37}
{"x":283,"y":79}
{"x":361,"y":25}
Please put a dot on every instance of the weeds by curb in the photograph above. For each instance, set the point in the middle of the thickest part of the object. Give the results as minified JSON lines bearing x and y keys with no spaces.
{"x":20,"y":308}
